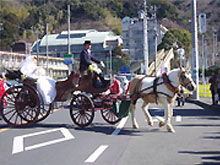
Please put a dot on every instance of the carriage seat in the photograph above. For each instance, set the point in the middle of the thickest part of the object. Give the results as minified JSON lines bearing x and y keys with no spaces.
{"x":98,"y":84}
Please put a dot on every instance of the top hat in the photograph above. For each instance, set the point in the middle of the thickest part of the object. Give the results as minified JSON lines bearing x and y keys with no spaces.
{"x":87,"y":42}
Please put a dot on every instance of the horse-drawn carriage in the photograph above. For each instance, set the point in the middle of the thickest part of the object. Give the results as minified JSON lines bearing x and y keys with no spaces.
{"x":23,"y":105}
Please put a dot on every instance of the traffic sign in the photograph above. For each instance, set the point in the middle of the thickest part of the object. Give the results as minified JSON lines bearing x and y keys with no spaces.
{"x":202,"y":23}
{"x":68,"y":59}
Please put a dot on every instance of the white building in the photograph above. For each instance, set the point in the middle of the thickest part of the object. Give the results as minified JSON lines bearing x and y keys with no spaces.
{"x":57,"y":43}
{"x":12,"y":61}
{"x":133,"y":37}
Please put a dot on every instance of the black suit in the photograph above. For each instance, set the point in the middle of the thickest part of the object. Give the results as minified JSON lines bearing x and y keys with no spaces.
{"x":85,"y":60}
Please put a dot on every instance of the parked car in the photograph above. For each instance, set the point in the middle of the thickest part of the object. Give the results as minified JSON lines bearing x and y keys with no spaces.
{"x":129,"y":76}
{"x":9,"y":83}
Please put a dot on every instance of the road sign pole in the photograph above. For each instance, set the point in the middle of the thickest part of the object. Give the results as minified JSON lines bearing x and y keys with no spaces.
{"x":195,"y":50}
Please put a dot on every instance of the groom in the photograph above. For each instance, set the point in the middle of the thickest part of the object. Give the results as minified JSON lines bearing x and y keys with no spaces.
{"x":86,"y":59}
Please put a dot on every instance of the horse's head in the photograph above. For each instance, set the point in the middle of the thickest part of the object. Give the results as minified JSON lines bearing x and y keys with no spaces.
{"x":185,"y":79}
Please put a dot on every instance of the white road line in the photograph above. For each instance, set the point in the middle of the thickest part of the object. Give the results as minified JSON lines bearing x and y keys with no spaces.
{"x":92,"y":158}
{"x":178,"y":118}
{"x":120,"y":126}
{"x":159,"y":118}
{"x":18,"y":143}
{"x":154,"y":120}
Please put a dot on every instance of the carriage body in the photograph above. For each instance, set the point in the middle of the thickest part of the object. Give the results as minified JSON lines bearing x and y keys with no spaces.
{"x":23,"y":105}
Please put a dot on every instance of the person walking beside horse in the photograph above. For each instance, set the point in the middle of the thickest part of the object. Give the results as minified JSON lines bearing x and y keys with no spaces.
{"x":213,"y":87}
{"x":218,"y":85}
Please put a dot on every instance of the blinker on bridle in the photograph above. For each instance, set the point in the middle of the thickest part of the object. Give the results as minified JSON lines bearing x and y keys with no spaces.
{"x":183,"y":78}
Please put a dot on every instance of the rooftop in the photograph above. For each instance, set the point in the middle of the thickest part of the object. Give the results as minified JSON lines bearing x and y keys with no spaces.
{"x":77,"y":37}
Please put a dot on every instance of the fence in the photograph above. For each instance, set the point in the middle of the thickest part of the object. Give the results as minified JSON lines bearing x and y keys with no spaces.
{"x":204,"y":90}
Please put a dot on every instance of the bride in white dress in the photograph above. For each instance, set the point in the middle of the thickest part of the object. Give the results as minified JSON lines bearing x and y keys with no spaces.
{"x":45,"y":84}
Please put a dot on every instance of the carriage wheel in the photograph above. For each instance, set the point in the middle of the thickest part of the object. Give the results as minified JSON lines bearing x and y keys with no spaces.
{"x":81,"y":110}
{"x":109,"y":116}
{"x":20,"y":106}
{"x":44,"y":112}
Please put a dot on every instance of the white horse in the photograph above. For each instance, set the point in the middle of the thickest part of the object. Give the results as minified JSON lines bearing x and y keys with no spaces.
{"x":161,"y":90}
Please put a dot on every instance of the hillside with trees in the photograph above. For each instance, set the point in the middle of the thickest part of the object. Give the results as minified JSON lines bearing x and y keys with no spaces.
{"x":21,"y":18}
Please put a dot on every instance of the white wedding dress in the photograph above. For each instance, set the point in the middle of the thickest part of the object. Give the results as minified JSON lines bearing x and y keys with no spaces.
{"x":45,"y":85}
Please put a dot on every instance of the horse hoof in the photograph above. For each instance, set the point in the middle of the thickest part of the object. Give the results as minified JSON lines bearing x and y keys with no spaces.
{"x":170,"y":129}
{"x":161,"y":124}
{"x":135,"y":126}
{"x":150,"y":123}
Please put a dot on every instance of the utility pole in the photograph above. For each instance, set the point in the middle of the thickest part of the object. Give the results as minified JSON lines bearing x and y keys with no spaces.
{"x":154,"y":16}
{"x":145,"y":38}
{"x":195,"y":50}
{"x":47,"y":47}
{"x":110,"y":62}
{"x":68,"y":8}
{"x":1,"y":28}
{"x":36,"y":35}
{"x":68,"y":42}
{"x":214,"y":45}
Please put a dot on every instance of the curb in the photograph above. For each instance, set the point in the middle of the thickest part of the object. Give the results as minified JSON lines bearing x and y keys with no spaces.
{"x":204,"y":105}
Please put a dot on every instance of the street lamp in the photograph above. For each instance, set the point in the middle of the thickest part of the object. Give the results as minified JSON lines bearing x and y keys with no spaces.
{"x":181,"y":53}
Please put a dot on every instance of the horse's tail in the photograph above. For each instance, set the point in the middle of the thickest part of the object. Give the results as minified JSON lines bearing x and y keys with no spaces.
{"x":126,"y":92}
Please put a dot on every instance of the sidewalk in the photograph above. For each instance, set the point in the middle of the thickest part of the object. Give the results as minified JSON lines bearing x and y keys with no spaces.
{"x":205,"y":103}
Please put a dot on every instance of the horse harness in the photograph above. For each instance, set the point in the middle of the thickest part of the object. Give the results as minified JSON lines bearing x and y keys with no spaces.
{"x":137,"y":93}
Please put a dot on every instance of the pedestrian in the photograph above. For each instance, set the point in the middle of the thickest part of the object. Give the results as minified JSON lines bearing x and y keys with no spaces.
{"x":2,"y":87}
{"x":115,"y":88}
{"x":180,"y":97}
{"x":218,"y":86}
{"x":213,"y":87}
{"x":86,"y":59}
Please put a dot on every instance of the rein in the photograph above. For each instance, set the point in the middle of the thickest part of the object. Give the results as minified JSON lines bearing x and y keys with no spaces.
{"x":169,"y":85}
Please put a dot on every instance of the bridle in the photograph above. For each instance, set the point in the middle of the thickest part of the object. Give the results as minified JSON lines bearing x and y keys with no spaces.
{"x":183,"y":79}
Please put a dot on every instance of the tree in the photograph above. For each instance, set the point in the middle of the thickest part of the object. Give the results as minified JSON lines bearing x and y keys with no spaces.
{"x":176,"y":38}
{"x":120,"y":59}
{"x":10,"y":30}
{"x":181,"y":37}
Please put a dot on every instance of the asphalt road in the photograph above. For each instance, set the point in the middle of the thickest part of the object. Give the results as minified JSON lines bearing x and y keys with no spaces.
{"x":57,"y":141}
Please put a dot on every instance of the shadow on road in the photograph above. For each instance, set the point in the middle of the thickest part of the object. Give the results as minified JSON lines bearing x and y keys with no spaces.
{"x":210,"y":158}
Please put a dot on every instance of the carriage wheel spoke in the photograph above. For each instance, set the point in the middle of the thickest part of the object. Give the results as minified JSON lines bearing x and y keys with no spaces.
{"x":9,"y":112}
{"x":12,"y":115}
{"x":16,"y":118}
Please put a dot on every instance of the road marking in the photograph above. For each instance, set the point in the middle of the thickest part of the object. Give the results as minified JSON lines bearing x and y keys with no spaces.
{"x":92,"y":158}
{"x":178,"y":118}
{"x":4,"y":129}
{"x":8,"y":128}
{"x":159,"y":118}
{"x":120,"y":126}
{"x":18,"y":143}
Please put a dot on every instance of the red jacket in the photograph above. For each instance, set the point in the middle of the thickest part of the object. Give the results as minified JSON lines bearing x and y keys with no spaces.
{"x":115,"y":88}
{"x":2,"y":88}
{"x":2,"y":91}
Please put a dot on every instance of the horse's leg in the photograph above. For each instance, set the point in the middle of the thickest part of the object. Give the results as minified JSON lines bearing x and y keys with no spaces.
{"x":147,"y":114}
{"x":169,"y":116}
{"x":134,"y":122}
{"x":168,"y":113}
